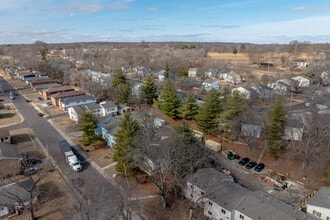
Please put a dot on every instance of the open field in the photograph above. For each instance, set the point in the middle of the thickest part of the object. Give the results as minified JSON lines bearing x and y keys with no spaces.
{"x":242,"y":57}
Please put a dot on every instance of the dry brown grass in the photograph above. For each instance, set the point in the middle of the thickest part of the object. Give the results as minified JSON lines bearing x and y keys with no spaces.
{"x":229,"y":56}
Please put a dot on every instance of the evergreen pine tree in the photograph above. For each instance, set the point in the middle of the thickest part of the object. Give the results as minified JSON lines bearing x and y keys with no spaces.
{"x":189,"y":108}
{"x":235,"y":103}
{"x":118,"y":78}
{"x":124,"y":92}
{"x":128,"y":129}
{"x":207,"y":116}
{"x":276,"y":128}
{"x":149,"y":90}
{"x":169,"y":101}
{"x":187,"y":133}
{"x":87,"y":124}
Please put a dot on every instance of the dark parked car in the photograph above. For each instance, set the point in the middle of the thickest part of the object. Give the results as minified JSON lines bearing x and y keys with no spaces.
{"x":251,"y":165}
{"x":244,"y":161}
{"x":232,"y":156}
{"x":259,"y":167}
{"x":40,"y":114}
{"x":27,"y":100}
{"x":40,"y":98}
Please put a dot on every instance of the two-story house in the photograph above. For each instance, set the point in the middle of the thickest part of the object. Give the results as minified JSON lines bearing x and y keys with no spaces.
{"x":75,"y":112}
{"x":108,"y":108}
{"x":214,"y":192}
{"x":76,"y":100}
{"x":109,"y":130}
{"x":319,"y":204}
{"x":193,"y":72}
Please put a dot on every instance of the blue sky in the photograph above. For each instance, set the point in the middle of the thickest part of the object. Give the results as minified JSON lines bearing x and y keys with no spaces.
{"x":249,"y":21}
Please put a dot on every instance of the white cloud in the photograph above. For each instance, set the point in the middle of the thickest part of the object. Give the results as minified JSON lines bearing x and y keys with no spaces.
{"x":120,"y":5}
{"x":86,"y":7}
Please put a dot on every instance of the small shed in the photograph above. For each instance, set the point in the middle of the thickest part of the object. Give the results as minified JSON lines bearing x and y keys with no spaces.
{"x":213,"y":145}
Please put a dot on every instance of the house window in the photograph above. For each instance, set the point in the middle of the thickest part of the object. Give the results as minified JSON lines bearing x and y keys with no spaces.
{"x":316,"y":213}
{"x":209,"y":212}
{"x":241,"y":216}
{"x":202,"y":193}
{"x":191,"y":186}
{"x":223,"y":211}
{"x":210,"y":203}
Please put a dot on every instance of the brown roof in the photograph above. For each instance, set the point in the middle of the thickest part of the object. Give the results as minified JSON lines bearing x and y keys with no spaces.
{"x":58,"y":89}
{"x":67,"y":94}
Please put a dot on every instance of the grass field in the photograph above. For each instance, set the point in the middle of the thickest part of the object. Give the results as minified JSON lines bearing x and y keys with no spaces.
{"x":228,"y":56}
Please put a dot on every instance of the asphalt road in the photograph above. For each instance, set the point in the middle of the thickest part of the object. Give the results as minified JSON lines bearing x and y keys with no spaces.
{"x":101,"y":199}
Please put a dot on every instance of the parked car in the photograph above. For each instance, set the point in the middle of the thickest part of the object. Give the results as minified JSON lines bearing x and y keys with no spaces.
{"x":40,"y":98}
{"x":259,"y":167}
{"x":232,"y":156}
{"x":251,"y":164}
{"x":40,"y":114}
{"x":244,"y":161}
{"x":27,"y":100}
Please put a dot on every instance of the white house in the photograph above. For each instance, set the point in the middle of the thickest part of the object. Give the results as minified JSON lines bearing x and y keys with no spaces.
{"x":302,"y":82}
{"x":279,"y":88}
{"x":244,"y":91}
{"x":231,"y":77}
{"x":319,"y":204}
{"x":192,"y":72}
{"x":75,"y":112}
{"x":215,"y":193}
{"x":109,"y":130}
{"x":300,"y":63}
{"x":258,"y":205}
{"x":77,"y":100}
{"x":108,"y":108}
{"x":209,"y":84}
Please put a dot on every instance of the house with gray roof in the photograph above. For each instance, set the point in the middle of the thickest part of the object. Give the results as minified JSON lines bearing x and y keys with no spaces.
{"x":293,"y":130}
{"x":209,"y":84}
{"x":319,"y":204}
{"x":75,"y":112}
{"x":215,"y":192}
{"x":259,"y":205}
{"x":109,"y":130}
{"x":262,"y":92}
{"x":108,"y":108}
{"x":17,"y":195}
{"x":76,"y":100}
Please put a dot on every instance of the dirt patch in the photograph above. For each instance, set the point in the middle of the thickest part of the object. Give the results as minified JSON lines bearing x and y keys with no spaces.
{"x":102,"y":156}
{"x":229,"y":56}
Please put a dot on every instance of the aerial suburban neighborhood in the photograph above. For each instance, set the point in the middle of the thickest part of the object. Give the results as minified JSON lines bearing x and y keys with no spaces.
{"x":229,"y":137}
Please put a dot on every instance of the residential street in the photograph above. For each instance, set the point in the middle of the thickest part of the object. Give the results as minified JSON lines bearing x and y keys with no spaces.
{"x":99,"y":197}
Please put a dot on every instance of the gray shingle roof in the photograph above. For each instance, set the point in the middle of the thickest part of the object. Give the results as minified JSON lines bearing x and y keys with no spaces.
{"x":321,"y":198}
{"x":218,"y":187}
{"x":78,"y":98}
{"x":14,"y":192}
{"x":259,"y":205}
